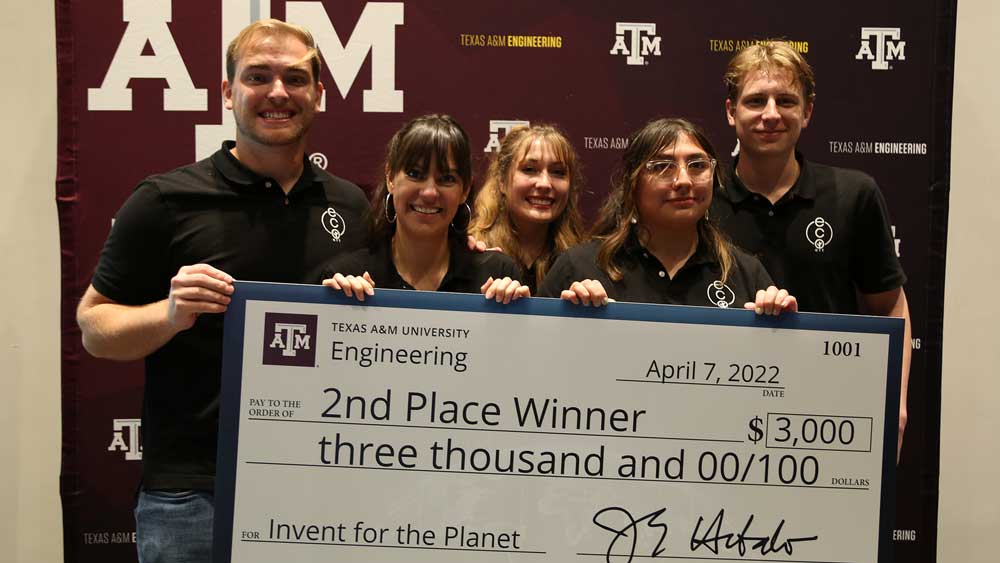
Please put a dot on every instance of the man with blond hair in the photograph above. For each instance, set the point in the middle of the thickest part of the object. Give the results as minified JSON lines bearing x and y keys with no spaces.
{"x":822,"y":232}
{"x":255,"y":210}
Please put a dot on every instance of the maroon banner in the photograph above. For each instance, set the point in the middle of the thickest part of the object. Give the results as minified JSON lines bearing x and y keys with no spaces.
{"x":139,"y":93}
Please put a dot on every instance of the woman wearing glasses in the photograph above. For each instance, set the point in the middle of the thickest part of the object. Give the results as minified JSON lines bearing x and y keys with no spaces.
{"x":653,"y":240}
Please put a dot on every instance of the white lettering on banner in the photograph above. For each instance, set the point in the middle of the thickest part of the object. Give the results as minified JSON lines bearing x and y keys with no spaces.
{"x":236,"y":14}
{"x":374,"y":32}
{"x":498,"y":126}
{"x":888,"y":47}
{"x":126,"y":438}
{"x":319,"y":159}
{"x":94,"y":538}
{"x":147,"y":23}
{"x":642,"y":41}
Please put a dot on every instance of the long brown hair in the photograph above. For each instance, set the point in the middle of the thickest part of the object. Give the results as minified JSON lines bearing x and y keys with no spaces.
{"x":421,"y":139}
{"x":614,"y":224}
{"x":492,"y":222}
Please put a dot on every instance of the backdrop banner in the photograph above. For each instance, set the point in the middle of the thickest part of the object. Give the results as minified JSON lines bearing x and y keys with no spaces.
{"x":139,"y":93}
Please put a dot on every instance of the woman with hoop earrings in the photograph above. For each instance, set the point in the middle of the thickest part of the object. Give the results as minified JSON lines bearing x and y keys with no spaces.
{"x":419,"y":220}
{"x":653,"y":241}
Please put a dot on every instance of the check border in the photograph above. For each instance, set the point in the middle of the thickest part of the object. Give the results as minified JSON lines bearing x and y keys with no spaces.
{"x":233,"y":342}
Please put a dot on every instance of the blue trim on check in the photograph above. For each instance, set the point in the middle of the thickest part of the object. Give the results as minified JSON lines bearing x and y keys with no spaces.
{"x":232,"y":363}
{"x":403,"y":299}
{"x":229,"y":427}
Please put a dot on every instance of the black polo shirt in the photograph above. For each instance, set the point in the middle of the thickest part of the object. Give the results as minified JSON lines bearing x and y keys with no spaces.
{"x":467,"y":270}
{"x":825,"y":240}
{"x":645,"y":280}
{"x":218,"y":212}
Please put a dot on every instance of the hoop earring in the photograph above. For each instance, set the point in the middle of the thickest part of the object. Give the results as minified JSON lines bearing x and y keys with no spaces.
{"x":389,"y":203}
{"x":468,"y":212}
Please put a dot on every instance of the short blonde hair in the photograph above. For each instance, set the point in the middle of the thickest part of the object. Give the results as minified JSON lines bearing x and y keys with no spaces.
{"x":770,"y":55}
{"x":272,"y":28}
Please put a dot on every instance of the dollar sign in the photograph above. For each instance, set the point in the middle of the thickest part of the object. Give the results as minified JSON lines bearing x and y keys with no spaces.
{"x":756,"y":433}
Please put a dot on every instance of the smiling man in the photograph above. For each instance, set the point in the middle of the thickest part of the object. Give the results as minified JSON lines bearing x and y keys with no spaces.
{"x":822,"y":232}
{"x":255,"y":210}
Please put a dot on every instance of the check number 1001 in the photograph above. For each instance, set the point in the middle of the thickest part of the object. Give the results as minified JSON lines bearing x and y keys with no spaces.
{"x":839,"y":348}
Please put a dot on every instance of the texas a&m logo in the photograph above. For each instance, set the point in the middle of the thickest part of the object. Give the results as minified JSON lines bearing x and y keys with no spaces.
{"x":127,"y":438}
{"x":150,"y":48}
{"x":887,"y":46}
{"x":642,"y":41}
{"x":289,"y":339}
{"x":500,"y":127}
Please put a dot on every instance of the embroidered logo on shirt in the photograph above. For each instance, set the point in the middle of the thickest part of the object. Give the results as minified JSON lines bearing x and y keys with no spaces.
{"x":819,"y":233}
{"x":334,"y":224}
{"x":720,"y":295}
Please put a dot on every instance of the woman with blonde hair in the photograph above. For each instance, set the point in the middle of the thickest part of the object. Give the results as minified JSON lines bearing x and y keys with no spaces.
{"x":528,"y":203}
{"x":653,"y":241}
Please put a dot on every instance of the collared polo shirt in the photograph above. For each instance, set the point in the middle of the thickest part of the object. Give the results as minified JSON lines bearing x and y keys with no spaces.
{"x":467,"y":270}
{"x":827,"y":239}
{"x":215,"y":211}
{"x":645,"y":280}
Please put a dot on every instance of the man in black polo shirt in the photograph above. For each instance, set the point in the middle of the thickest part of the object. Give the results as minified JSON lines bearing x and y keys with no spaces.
{"x":822,"y":232}
{"x":255,"y":210}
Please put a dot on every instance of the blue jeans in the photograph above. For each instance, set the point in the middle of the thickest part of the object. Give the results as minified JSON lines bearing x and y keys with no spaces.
{"x":174,"y":526}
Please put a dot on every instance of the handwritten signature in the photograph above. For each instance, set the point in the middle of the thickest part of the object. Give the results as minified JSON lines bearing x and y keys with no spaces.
{"x":622,"y":524}
{"x":713,"y":539}
{"x":630,"y":530}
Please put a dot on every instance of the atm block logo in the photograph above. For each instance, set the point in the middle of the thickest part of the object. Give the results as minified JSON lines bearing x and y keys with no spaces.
{"x":127,"y":438}
{"x":289,"y":339}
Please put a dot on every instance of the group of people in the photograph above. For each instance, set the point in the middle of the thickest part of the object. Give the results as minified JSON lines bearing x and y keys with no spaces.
{"x":652,"y":243}
{"x":774,"y":233}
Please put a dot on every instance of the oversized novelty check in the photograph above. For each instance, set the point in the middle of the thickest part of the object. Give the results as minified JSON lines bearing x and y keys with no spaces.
{"x":442,"y":427}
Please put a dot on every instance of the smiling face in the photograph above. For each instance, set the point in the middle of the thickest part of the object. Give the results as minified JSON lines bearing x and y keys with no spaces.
{"x":426,"y":200}
{"x":274,"y":95}
{"x":539,"y":185}
{"x":769,"y":114}
{"x":669,"y":205}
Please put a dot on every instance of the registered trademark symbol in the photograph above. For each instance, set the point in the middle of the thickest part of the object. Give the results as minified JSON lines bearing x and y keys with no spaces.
{"x":319,"y":159}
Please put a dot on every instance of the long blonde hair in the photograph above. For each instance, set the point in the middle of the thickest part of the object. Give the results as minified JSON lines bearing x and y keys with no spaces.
{"x":492,"y":222}
{"x":614,"y":224}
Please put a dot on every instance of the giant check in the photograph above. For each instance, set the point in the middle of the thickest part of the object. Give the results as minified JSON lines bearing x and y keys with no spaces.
{"x":442,"y":427}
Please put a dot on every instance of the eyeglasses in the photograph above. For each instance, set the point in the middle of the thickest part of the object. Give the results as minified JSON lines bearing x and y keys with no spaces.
{"x":699,"y":170}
